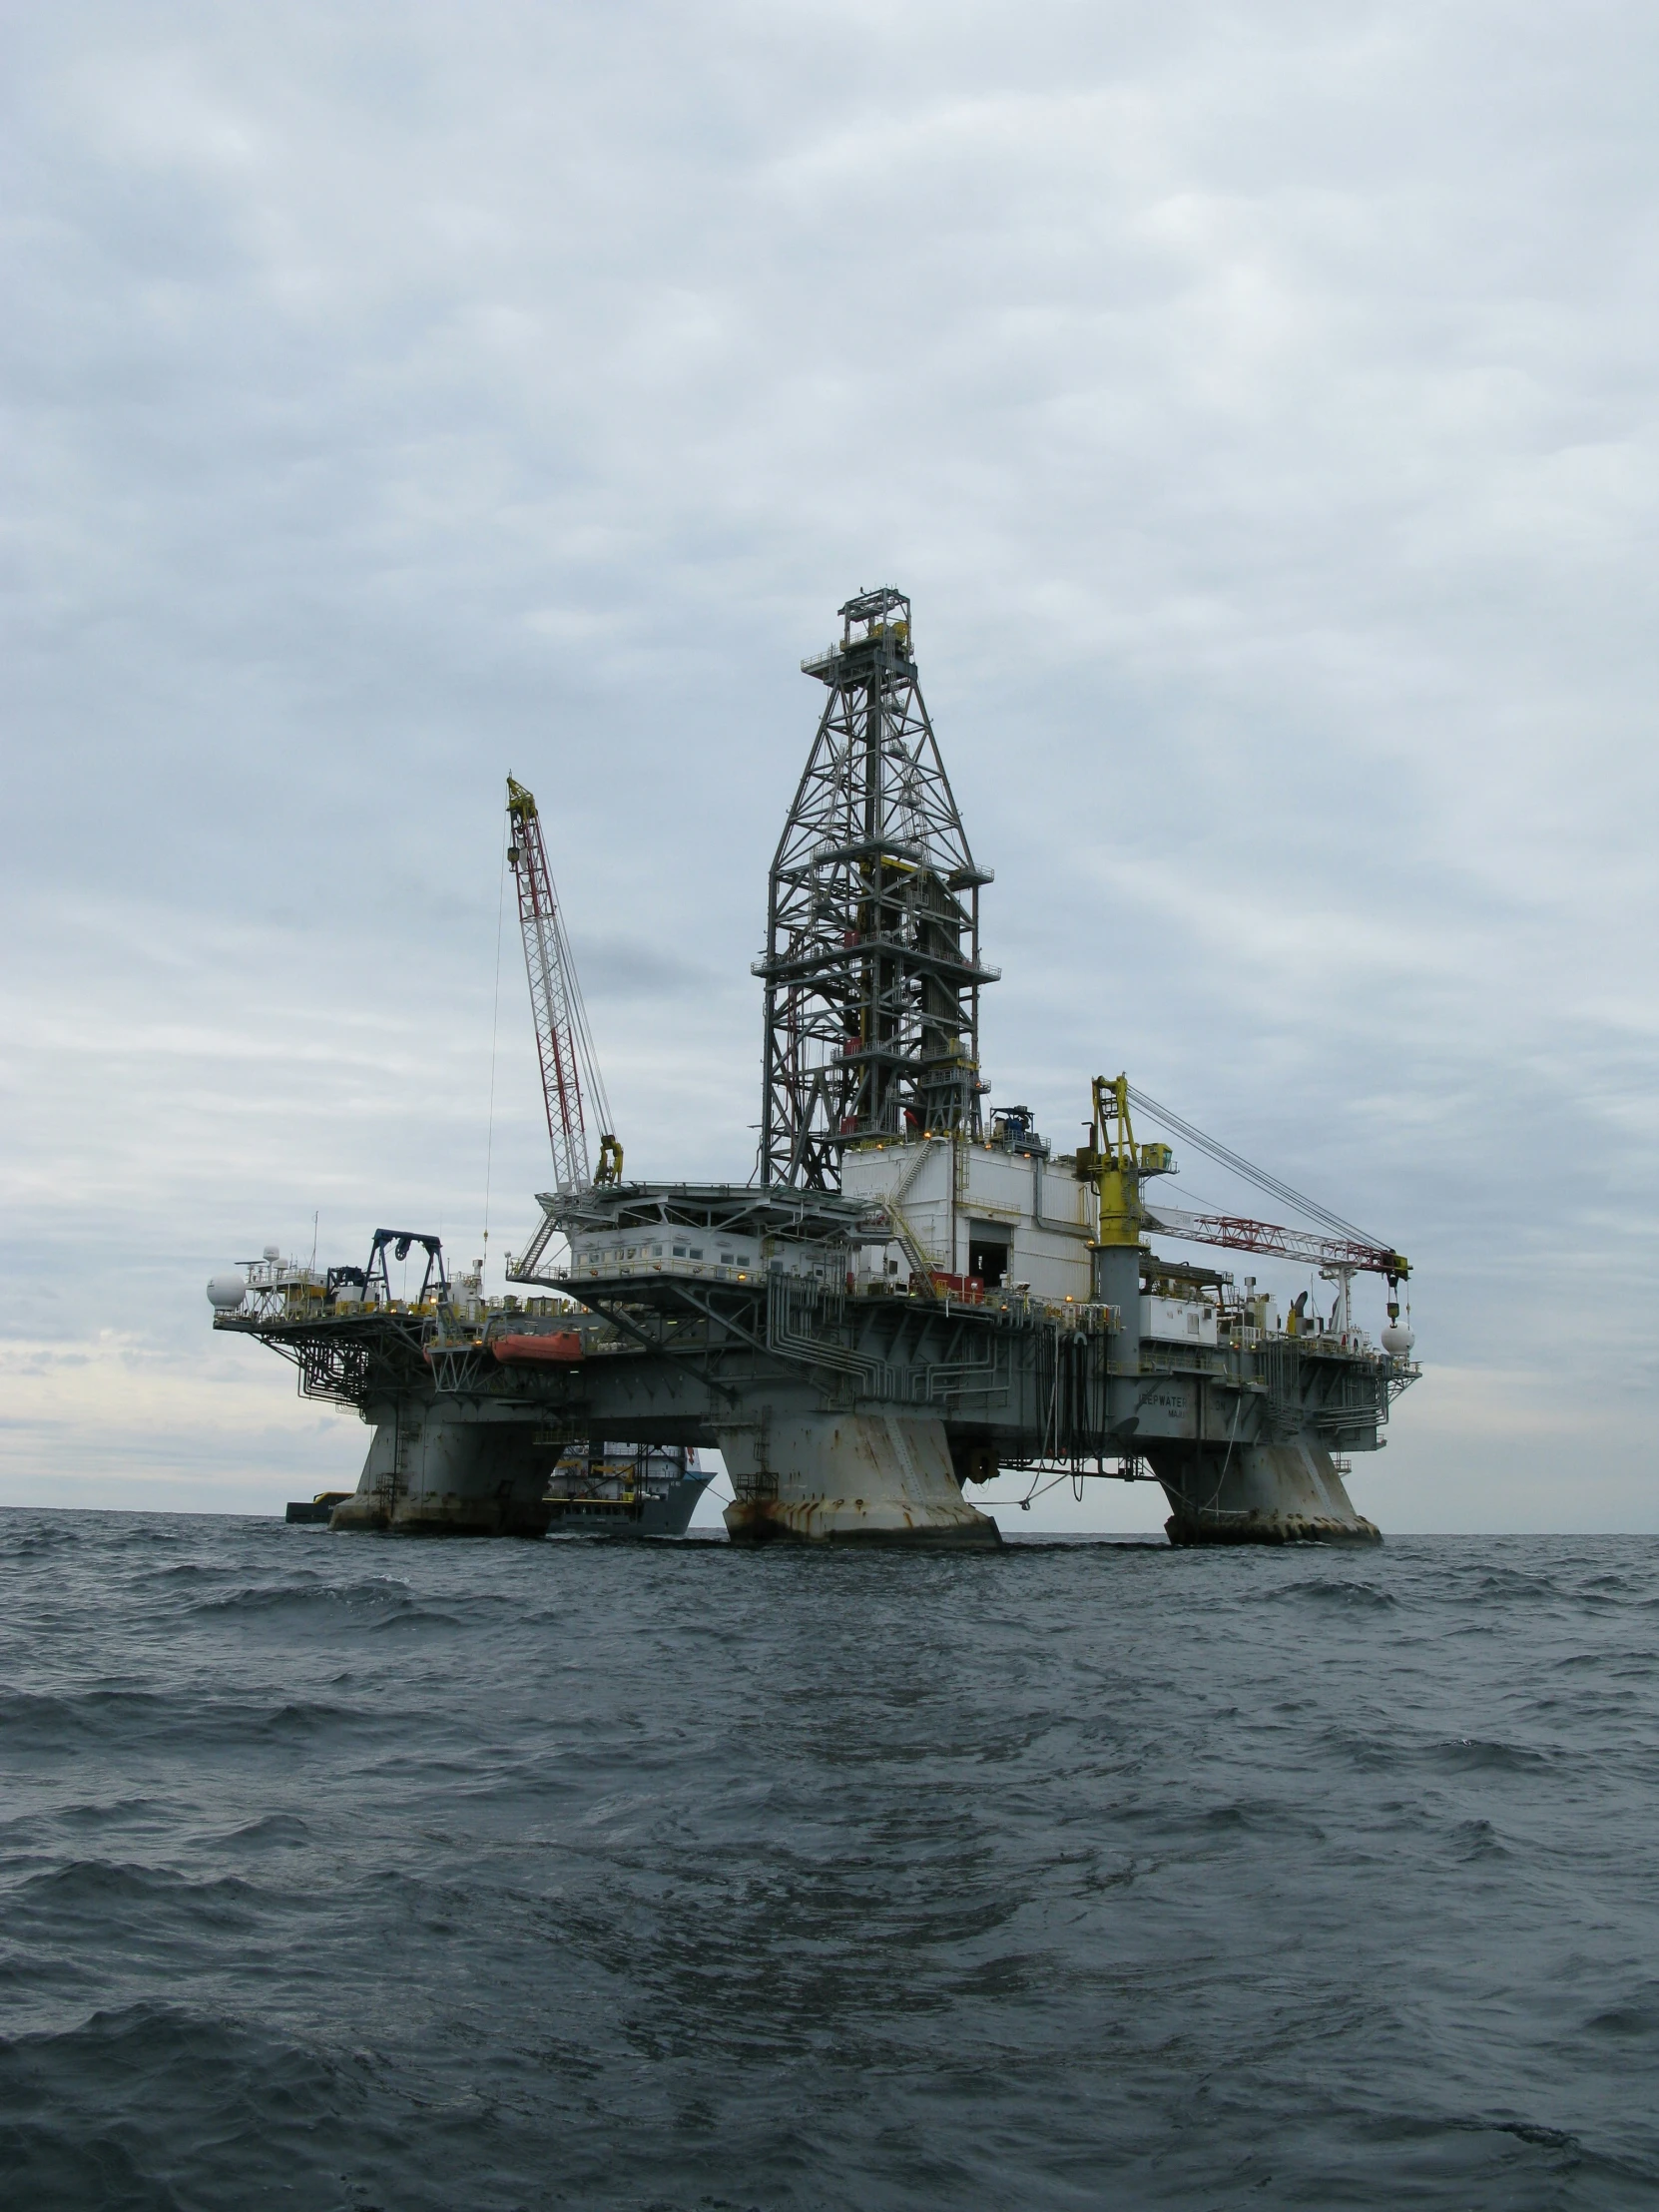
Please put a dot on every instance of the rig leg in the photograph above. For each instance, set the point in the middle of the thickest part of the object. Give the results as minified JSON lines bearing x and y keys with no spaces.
{"x":1285,"y":1493}
{"x":430,"y":1473}
{"x":840,"y":1478}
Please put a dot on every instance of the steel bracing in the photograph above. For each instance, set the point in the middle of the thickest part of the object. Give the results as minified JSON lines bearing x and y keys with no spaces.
{"x":872,"y":970}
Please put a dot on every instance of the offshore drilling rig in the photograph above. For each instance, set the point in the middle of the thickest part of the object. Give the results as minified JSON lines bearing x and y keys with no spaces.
{"x":911,"y":1294}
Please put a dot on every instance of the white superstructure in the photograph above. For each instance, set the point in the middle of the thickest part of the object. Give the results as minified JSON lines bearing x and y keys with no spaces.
{"x":1000,"y":1211}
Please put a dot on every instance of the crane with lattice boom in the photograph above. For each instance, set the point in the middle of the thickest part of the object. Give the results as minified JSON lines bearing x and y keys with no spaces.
{"x":1334,"y":1244}
{"x":1120,"y":1168}
{"x":570,"y":1079}
{"x":1238,"y":1233}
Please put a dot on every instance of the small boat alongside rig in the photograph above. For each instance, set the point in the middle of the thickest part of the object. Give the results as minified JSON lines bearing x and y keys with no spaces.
{"x":625,"y":1491}
{"x":910,"y":1297}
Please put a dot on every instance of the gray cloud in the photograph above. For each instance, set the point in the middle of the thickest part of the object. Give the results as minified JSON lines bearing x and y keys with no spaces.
{"x":1259,"y":406}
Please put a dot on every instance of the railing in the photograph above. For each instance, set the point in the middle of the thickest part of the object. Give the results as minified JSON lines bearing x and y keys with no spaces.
{"x":708,"y":1270}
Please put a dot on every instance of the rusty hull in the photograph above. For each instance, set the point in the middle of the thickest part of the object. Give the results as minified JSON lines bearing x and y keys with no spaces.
{"x":445,"y":1515}
{"x":836,"y":1520}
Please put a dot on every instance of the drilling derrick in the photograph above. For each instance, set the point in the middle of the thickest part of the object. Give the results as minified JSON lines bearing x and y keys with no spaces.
{"x":871,"y":969}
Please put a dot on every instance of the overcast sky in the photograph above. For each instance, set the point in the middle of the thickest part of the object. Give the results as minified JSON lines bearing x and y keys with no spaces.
{"x":1259,"y":406}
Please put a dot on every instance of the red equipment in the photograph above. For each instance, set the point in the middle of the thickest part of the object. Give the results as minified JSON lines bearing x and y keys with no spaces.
{"x":560,"y":1345}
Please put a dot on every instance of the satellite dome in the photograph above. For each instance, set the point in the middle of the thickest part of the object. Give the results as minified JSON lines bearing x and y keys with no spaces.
{"x":226,"y":1291}
{"x":1398,"y":1339}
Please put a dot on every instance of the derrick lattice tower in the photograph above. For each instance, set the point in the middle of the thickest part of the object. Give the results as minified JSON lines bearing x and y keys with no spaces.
{"x":871,"y":969}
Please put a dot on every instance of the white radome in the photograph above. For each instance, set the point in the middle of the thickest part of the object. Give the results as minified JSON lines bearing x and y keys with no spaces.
{"x":1398,"y":1339}
{"x":226,"y":1291}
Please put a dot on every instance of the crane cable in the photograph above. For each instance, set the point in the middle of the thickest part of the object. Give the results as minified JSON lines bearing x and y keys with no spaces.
{"x":581,"y":1034}
{"x":1249,"y":1173}
{"x":495,"y":1029}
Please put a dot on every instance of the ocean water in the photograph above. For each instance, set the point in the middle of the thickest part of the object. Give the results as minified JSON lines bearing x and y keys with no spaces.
{"x":365,"y":1872}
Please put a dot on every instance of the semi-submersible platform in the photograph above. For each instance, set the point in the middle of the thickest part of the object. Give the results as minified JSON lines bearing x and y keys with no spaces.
{"x":911,"y":1294}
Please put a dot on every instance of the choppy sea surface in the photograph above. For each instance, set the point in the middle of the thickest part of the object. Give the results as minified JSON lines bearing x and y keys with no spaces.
{"x":366,"y":1872}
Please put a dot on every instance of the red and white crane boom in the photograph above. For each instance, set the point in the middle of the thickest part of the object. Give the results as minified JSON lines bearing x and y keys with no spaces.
{"x":570,"y":1079}
{"x":1238,"y":1233}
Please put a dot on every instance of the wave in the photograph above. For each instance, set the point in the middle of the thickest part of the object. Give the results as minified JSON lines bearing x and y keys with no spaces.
{"x":1476,"y":1754}
{"x":259,"y":1600}
{"x":37,"y":1720}
{"x":381,"y":1605}
{"x":507,"y":1877}
{"x":1479,"y":1839}
{"x":1512,"y":1583}
{"x":114,"y":2111}
{"x":1626,"y":2021}
{"x":272,"y":1832}
{"x":1321,"y":1590}
{"x":34,"y":1721}
{"x":99,"y":1885}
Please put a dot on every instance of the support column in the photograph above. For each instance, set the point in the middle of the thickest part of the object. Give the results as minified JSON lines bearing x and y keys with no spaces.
{"x":1284,"y":1493}
{"x":850,"y":1479}
{"x":438,"y":1474}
